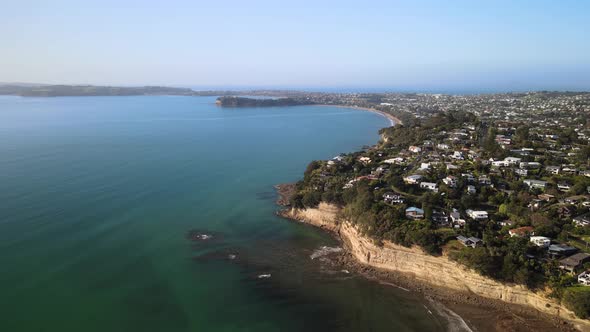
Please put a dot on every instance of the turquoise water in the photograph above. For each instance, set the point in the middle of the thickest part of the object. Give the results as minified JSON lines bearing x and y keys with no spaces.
{"x":97,"y":195}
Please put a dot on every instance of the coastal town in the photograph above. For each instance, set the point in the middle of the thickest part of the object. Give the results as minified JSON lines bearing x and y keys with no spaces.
{"x":498,"y":183}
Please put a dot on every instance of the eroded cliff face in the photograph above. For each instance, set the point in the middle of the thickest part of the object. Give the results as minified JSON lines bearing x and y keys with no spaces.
{"x":324,"y":216}
{"x":437,"y":271}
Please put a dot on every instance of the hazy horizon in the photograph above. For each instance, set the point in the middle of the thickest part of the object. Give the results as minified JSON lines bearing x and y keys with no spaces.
{"x":423,"y":46}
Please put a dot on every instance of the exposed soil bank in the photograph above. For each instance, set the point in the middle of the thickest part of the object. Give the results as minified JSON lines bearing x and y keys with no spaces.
{"x":485,"y":304}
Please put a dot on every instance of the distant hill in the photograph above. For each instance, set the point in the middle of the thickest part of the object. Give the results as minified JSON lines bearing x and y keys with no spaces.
{"x":88,"y":90}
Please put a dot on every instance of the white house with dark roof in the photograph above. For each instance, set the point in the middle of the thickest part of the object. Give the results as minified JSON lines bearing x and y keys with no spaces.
{"x":429,"y":186}
{"x":477,"y":215}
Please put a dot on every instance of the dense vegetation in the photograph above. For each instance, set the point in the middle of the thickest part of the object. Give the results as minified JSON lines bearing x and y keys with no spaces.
{"x":504,"y":258}
{"x":232,"y":101}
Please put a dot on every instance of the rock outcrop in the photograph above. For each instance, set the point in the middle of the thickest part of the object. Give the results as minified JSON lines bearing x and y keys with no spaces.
{"x":438,"y":271}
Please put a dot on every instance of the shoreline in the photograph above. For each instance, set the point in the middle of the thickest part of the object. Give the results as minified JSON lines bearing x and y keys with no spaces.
{"x":473,"y":309}
{"x":474,"y":306}
{"x":392,"y":119}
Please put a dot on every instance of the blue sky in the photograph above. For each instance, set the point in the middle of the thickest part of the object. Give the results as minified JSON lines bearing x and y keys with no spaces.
{"x":396,"y":45}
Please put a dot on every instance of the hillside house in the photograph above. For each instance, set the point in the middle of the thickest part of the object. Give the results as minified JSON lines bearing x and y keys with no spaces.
{"x":472,"y":242}
{"x":440,"y":218}
{"x":392,"y":198}
{"x":414,"y":213}
{"x":540,"y":241}
{"x":574,"y":263}
{"x":584,"y":278}
{"x":535,"y":184}
{"x":477,"y":215}
{"x":561,"y":250}
{"x":429,"y":186}
{"x":554,"y":170}
{"x":582,"y":220}
{"x":415,"y":149}
{"x":412,"y":179}
{"x":450,"y":181}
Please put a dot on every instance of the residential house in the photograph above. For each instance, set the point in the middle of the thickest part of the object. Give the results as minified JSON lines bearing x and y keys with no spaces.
{"x":536,"y":204}
{"x":392,"y":198}
{"x":570,"y":170}
{"x":414,"y":213}
{"x":499,"y":163}
{"x":535,"y":184}
{"x":472,"y":242}
{"x":521,"y":171}
{"x":415,"y":149}
{"x":484,"y":180}
{"x":561,"y":250}
{"x":413,"y":179}
{"x":574,"y":200}
{"x":575,"y":262}
{"x":468,"y":176}
{"x":450,"y":181}
{"x":530,"y":164}
{"x":429,"y":186}
{"x":452,"y":167}
{"x":471,"y":190}
{"x":541,"y":241}
{"x":456,"y":219}
{"x":582,"y":220}
{"x":477,"y":215}
{"x":395,"y":161}
{"x":546,"y":197}
{"x":512,"y":160}
{"x":584,"y":278}
{"x":443,"y":146}
{"x":440,"y":218}
{"x":562,"y":186}
{"x":458,"y":155}
{"x":507,"y":222}
{"x":365,"y":160}
{"x":554,"y":170}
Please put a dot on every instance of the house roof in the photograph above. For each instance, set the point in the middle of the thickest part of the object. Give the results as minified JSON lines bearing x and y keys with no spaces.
{"x":414,"y":209}
{"x":574,"y":259}
{"x":561,"y":247}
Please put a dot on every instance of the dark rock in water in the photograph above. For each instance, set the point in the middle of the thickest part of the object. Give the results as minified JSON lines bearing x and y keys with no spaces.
{"x":201,"y":236}
{"x":285,"y":191}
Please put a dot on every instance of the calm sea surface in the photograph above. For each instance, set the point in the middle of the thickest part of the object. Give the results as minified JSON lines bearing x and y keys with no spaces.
{"x":97,"y":195}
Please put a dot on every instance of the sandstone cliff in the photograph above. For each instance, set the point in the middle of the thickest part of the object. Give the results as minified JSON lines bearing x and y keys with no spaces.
{"x":437,"y":271}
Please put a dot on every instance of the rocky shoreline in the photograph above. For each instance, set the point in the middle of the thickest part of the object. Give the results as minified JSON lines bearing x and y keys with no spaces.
{"x":479,"y":312}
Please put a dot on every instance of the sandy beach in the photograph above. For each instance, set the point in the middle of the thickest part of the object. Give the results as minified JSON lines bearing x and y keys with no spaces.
{"x":392,"y":119}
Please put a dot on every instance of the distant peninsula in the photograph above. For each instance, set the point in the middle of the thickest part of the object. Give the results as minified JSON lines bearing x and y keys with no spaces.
{"x":233,"y":101}
{"x":88,"y":90}
{"x":62,"y":90}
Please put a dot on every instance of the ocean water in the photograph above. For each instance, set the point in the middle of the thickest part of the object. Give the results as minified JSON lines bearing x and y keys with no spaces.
{"x":98,"y":194}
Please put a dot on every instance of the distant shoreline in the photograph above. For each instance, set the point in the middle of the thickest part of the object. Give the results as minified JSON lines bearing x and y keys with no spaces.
{"x":392,"y":119}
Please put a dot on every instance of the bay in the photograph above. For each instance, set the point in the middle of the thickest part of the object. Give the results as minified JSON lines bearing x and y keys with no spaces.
{"x":97,"y":195}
